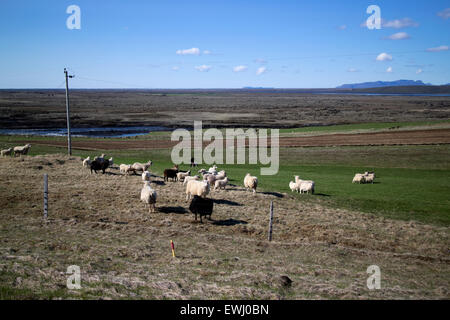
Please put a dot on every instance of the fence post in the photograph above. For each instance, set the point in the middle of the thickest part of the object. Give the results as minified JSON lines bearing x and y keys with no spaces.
{"x":271,"y":221}
{"x":45,"y":196}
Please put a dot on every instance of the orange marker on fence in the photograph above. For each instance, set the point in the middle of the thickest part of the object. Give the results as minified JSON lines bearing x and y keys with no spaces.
{"x":173,"y":248}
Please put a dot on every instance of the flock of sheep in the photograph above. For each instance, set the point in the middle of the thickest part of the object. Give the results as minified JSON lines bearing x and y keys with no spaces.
{"x":196,"y":187}
{"x":16,"y":151}
{"x":367,"y":177}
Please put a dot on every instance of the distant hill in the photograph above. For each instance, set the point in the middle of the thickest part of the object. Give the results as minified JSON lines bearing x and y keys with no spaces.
{"x":425,"y":89}
{"x":381,"y":84}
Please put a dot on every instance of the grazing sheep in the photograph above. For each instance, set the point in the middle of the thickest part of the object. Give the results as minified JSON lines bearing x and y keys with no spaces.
{"x":126,"y":168}
{"x":293,"y":186}
{"x":221,"y":175}
{"x":189,"y":178}
{"x":99,"y":165}
{"x":369,"y":177}
{"x":171,"y":173}
{"x":202,"y":171}
{"x":221,"y":184}
{"x":359,"y":178}
{"x":6,"y":152}
{"x":111,"y":161}
{"x":202,"y":207}
{"x":137,"y":166}
{"x":250,"y":182}
{"x":21,"y":150}
{"x":182,"y":175}
{"x":210,"y":178}
{"x":148,"y":196}
{"x":87,"y":162}
{"x":197,"y":188}
{"x":213,"y":169}
{"x":146,"y":176}
{"x":306,"y":187}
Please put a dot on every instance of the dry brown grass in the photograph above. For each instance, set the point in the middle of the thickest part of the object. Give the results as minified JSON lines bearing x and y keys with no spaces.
{"x":98,"y":223}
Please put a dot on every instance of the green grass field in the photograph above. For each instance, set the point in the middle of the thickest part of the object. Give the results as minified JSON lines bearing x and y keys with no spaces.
{"x":413,"y":182}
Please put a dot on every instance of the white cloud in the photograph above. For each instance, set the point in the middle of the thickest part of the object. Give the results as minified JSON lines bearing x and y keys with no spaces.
{"x":438,"y":49}
{"x":343,"y":27}
{"x":207,"y":52}
{"x":240,"y":68}
{"x":175,"y":68}
{"x":444,"y":14}
{"x":389,"y":70}
{"x":384,"y":57}
{"x":261,"y":70}
{"x":203,"y":68}
{"x":352,"y":70}
{"x":399,"y":23}
{"x":419,"y":71}
{"x":399,"y":36}
{"x":260,"y":61}
{"x":194,"y":51}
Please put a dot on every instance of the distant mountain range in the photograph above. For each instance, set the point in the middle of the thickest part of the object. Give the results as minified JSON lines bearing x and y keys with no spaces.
{"x":382,"y":84}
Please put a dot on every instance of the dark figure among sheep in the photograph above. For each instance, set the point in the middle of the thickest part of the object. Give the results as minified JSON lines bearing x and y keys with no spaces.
{"x":99,"y":165}
{"x":171,"y":173}
{"x":201,"y":206}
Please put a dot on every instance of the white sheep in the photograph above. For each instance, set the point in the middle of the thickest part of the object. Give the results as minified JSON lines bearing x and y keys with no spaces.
{"x":125,"y":168}
{"x":197,"y":188}
{"x":221,"y":184}
{"x":137,"y":166}
{"x":182,"y":175}
{"x":369,"y":177}
{"x":306,"y":187}
{"x":148,"y":196}
{"x":359,"y":178}
{"x":210,"y":178}
{"x":6,"y":152}
{"x":146,"y":176}
{"x":221,"y":175}
{"x":111,"y":161}
{"x":21,"y":150}
{"x":250,"y":182}
{"x":213,"y":170}
{"x":202,"y":171}
{"x":87,"y":162}
{"x":293,"y":186}
{"x":189,"y":178}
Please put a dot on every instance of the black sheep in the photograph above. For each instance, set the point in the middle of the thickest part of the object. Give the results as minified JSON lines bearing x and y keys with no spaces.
{"x":97,"y":165}
{"x":201,"y":206}
{"x":170,"y":173}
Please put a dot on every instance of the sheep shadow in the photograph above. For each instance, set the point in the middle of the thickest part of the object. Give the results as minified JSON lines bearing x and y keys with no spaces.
{"x":177,"y":210}
{"x":227,"y":202}
{"x":275,"y":194}
{"x":229,"y":222}
{"x":322,"y":195}
{"x":159,"y":182}
{"x":109,"y":173}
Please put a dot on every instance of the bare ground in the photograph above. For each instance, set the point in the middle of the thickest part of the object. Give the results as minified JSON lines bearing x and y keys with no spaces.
{"x":216,"y":108}
{"x":98,"y":223}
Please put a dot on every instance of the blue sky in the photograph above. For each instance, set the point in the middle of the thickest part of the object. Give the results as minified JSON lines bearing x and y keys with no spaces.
{"x":221,"y":44}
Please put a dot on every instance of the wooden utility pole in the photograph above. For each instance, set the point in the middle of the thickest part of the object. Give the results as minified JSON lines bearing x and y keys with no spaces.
{"x":69,"y":139}
{"x":270,"y":220}
{"x":45,"y":196}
